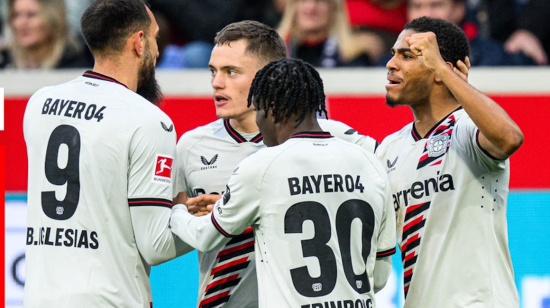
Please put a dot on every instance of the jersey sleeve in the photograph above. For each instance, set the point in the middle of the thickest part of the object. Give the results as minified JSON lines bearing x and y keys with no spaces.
{"x":151,"y":156}
{"x":386,"y":235}
{"x":239,"y":208}
{"x":467,"y":136}
{"x":344,"y":132}
{"x":180,"y":174}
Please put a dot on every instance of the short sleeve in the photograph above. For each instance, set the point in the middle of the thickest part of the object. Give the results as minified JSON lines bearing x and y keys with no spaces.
{"x":346,"y":133}
{"x":467,"y":138}
{"x":151,"y":159}
{"x":180,"y":174}
{"x":239,"y":207}
{"x":387,"y":234}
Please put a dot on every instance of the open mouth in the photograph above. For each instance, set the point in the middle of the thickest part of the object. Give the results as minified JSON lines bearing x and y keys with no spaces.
{"x":220,"y":98}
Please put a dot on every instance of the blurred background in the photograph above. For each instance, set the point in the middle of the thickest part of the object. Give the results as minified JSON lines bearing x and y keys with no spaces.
{"x":349,"y":41}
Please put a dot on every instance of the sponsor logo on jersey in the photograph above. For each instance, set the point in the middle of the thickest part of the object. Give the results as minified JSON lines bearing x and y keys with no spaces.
{"x":209,"y":163}
{"x":166,"y":128}
{"x":391,"y":165}
{"x":423,"y":189}
{"x":437,"y":145}
{"x":163,"y":169}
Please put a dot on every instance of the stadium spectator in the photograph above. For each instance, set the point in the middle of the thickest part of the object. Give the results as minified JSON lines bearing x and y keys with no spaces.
{"x":318,"y":32}
{"x":207,"y":155}
{"x":522,"y":26}
{"x":195,"y":24}
{"x":449,"y":174}
{"x":483,"y":51}
{"x":378,"y":22}
{"x":266,"y":192}
{"x":100,"y":159}
{"x":40,"y":37}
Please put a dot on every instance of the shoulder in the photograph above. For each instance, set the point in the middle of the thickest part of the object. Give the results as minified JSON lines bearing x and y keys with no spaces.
{"x":200,"y":132}
{"x":393,"y":139}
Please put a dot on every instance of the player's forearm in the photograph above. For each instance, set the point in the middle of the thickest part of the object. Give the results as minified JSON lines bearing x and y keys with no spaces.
{"x":382,"y":271}
{"x":155,"y":241}
{"x":198,"y":232}
{"x":503,"y":134}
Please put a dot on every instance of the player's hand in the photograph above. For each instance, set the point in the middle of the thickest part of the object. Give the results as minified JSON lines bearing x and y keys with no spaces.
{"x":202,"y":204}
{"x":181,"y":198}
{"x":462,"y":68}
{"x":424,"y":45}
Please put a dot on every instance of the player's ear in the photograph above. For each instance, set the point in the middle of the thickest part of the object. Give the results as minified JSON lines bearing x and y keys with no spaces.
{"x":437,"y":79}
{"x":138,"y":42}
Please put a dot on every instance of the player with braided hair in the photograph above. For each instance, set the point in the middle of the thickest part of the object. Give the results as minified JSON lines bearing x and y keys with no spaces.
{"x":341,"y":256}
{"x":287,"y":87}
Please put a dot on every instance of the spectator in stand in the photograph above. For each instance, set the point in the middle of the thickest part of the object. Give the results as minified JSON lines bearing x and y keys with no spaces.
{"x":318,"y":32}
{"x":483,"y":51}
{"x":522,"y":26}
{"x":195,"y":24}
{"x":378,"y":23}
{"x":40,"y":37}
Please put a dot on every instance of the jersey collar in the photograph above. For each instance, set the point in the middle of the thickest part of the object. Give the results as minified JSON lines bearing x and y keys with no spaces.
{"x":94,"y":75}
{"x":315,"y":135}
{"x":238,"y":137}
{"x":416,"y":136}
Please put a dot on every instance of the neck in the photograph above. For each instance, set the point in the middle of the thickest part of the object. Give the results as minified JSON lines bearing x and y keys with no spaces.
{"x":314,"y":36}
{"x":37,"y":55}
{"x":427,"y":115}
{"x":123,"y":71}
{"x":245,"y":123}
{"x":286,"y":130}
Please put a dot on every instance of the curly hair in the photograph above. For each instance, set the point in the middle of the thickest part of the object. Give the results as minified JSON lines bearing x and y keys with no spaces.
{"x":453,"y":43}
{"x":288,"y":87}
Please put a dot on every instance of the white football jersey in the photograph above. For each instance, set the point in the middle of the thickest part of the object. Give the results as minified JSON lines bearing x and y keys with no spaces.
{"x":321,"y":212}
{"x":206,"y":157}
{"x":450,"y":200}
{"x":99,"y":194}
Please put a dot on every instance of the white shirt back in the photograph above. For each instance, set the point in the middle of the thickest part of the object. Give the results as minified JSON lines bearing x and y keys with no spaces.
{"x":96,"y":150}
{"x":321,"y":212}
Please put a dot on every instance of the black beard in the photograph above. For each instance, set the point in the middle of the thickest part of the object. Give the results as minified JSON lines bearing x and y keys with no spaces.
{"x":148,"y":86}
{"x":390,"y":102}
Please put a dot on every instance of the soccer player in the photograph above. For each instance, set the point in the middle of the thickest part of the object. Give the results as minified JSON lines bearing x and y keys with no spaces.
{"x":319,"y":206}
{"x":100,"y":191}
{"x":207,"y":155}
{"x":449,"y":174}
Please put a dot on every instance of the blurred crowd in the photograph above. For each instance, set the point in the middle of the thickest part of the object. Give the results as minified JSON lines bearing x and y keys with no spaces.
{"x":45,"y":34}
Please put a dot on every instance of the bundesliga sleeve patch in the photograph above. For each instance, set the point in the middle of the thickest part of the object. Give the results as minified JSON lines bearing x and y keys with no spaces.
{"x":163,"y":169}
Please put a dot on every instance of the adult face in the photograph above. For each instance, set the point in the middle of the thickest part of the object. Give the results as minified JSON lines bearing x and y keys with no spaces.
{"x":147,"y":84}
{"x":313,"y":16}
{"x":409,"y":80}
{"x":28,"y":24}
{"x":443,"y":9}
{"x":232,"y":73}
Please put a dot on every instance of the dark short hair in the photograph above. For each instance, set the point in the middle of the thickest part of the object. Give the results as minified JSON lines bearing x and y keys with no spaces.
{"x":288,"y":87}
{"x":453,"y":43}
{"x":263,"y":41}
{"x":106,"y":24}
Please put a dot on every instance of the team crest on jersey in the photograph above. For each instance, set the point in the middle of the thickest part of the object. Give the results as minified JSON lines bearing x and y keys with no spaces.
{"x":163,"y":169}
{"x":437,"y":145}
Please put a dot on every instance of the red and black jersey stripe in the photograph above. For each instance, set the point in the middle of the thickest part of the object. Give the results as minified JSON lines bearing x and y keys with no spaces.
{"x":385,"y":253}
{"x":316,"y":135}
{"x":150,"y":202}
{"x":94,"y":75}
{"x":435,"y":130}
{"x":237,"y":136}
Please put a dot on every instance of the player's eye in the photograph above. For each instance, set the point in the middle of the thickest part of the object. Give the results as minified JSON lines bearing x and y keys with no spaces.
{"x":212,"y":72}
{"x":232,"y":73}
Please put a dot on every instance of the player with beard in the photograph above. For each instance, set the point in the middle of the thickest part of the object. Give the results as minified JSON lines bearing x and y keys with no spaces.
{"x":207,"y":155}
{"x":449,"y":174}
{"x":100,"y":158}
{"x":320,"y":207}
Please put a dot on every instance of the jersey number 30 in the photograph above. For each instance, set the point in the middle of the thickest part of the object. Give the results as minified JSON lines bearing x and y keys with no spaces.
{"x":317,"y":246}
{"x":69,"y":175}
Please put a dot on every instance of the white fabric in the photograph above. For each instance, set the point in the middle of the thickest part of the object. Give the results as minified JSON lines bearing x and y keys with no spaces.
{"x":121,"y":205}
{"x":260,"y":195}
{"x":454,"y":239}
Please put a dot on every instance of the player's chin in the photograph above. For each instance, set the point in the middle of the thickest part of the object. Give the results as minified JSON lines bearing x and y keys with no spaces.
{"x":392,"y":100}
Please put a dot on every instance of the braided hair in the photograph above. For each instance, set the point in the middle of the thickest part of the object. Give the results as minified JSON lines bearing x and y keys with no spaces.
{"x":288,"y":87}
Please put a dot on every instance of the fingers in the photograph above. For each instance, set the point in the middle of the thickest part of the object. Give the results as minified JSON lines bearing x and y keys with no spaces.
{"x":462,"y":69}
{"x":198,"y":214}
{"x":181,"y":198}
{"x":203,"y":200}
